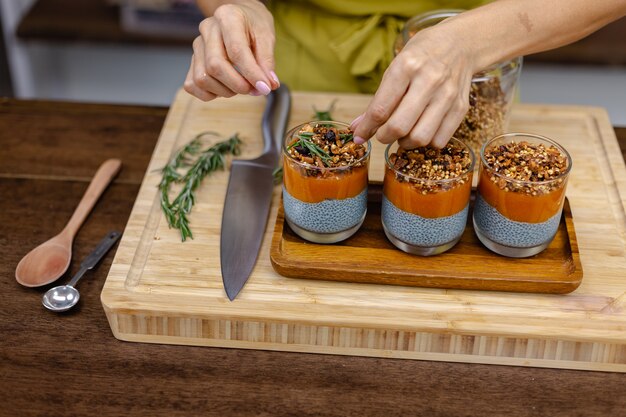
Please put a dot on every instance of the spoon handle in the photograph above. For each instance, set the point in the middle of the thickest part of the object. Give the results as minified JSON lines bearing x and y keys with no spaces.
{"x":99,"y":183}
{"x":94,"y":257}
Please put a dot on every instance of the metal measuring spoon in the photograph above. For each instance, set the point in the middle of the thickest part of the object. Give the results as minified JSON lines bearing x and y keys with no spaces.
{"x":64,"y":297}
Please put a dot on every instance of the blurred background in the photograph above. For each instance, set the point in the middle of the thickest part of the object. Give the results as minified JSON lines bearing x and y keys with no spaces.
{"x":138,"y":52}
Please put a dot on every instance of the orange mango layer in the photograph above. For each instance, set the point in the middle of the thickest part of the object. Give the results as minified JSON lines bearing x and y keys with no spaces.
{"x":338,"y":186}
{"x":406,"y":197}
{"x":521,"y":207}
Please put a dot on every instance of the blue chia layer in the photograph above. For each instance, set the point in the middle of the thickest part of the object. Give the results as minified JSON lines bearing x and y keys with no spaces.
{"x":507,"y":232}
{"x":328,"y":216}
{"x":422,"y":231}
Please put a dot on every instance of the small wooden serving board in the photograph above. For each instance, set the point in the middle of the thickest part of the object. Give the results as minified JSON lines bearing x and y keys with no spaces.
{"x":369,"y":257}
{"x":160,"y":290}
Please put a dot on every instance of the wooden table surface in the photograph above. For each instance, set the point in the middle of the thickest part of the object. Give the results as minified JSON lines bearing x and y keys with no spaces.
{"x":71,"y":364}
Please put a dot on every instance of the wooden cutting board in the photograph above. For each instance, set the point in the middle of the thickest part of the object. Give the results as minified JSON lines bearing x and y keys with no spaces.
{"x":160,"y":290}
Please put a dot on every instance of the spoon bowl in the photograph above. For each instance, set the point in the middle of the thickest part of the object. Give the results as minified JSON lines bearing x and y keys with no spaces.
{"x":61,"y":298}
{"x":64,"y":297}
{"x":46,"y":263}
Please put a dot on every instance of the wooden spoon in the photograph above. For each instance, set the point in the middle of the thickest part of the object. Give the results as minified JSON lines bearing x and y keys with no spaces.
{"x":48,"y":261}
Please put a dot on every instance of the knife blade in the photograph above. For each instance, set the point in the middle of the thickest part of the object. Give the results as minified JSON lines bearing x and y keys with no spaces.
{"x":249,"y":196}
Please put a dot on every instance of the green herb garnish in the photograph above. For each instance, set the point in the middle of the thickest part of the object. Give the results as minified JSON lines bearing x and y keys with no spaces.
{"x":278,"y":175}
{"x":307,"y":143}
{"x":207,"y":161}
{"x":324,"y":114}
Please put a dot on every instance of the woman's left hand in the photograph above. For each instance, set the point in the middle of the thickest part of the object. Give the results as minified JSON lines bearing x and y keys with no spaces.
{"x":424,"y":94}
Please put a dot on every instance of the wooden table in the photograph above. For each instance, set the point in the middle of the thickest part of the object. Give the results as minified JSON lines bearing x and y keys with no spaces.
{"x":48,"y":152}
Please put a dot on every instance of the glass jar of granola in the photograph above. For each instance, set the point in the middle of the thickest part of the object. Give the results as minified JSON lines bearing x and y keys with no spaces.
{"x":491,"y":93}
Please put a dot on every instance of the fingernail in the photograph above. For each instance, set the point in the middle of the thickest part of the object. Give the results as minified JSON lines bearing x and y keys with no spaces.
{"x":254,"y":92}
{"x":262,"y":88}
{"x":356,"y":121}
{"x":359,"y":140}
{"x":274,"y":77}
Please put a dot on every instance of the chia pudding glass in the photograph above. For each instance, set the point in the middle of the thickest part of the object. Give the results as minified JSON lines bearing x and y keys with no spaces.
{"x":425,"y":202}
{"x":521,"y":191}
{"x":324,"y":203}
{"x":491,"y":93}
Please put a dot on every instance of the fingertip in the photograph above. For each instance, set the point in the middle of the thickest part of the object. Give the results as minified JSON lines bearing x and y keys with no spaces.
{"x":356,"y":121}
{"x":275,"y":78}
{"x":262,"y":87}
{"x":359,"y":140}
{"x":440,"y":143}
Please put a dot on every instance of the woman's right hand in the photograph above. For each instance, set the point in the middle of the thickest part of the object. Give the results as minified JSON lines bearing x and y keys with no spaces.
{"x":234,"y":53}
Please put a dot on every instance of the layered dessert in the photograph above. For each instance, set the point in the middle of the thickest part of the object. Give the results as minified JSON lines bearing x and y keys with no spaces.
{"x":521,"y":190}
{"x":324,"y":181}
{"x":426,"y":196}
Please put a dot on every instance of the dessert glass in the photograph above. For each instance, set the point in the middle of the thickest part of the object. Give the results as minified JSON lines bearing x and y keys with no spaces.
{"x":514,"y":217}
{"x":491,"y":92}
{"x":324,"y":204}
{"x":425,"y":216}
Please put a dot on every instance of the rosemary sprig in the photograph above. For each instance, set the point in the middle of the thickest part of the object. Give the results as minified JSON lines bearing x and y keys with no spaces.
{"x":314,"y":149}
{"x":278,"y":175}
{"x":325,"y":114}
{"x":207,"y":161}
{"x":307,"y":143}
{"x":346,"y":137}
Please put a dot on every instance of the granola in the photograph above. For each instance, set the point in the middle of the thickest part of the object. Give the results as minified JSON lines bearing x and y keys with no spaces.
{"x":429,"y":169}
{"x":534,"y":168}
{"x":325,"y":146}
{"x":486,"y":115}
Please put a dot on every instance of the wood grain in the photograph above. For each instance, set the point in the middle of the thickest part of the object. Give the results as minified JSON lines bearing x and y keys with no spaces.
{"x":369,"y":257}
{"x":74,"y":360}
{"x":160,"y":290}
{"x":49,"y":143}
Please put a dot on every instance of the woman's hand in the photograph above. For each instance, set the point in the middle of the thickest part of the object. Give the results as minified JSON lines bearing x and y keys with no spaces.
{"x":234,"y":53}
{"x":424,"y":94}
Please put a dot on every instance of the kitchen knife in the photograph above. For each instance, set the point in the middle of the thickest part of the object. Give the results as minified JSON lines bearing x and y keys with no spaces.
{"x":249,"y":195}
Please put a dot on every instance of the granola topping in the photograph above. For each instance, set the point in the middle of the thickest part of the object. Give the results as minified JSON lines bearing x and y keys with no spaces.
{"x":323,"y":146}
{"x":424,"y":166}
{"x":534,"y":166}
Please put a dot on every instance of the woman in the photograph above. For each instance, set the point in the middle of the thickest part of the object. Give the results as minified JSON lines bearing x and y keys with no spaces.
{"x":422,"y":95}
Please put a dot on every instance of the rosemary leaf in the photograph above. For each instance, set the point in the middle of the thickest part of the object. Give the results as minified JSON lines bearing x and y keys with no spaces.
{"x":346,"y":137}
{"x":325,"y":114}
{"x":277,"y":174}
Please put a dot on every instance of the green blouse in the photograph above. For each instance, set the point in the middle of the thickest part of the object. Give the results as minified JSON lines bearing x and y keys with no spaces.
{"x":342,"y":45}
